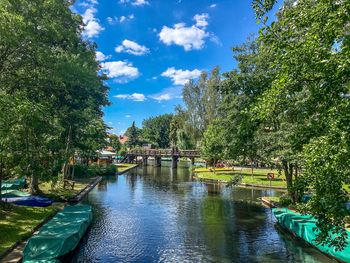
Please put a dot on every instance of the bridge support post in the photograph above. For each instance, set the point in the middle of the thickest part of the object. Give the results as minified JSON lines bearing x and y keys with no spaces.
{"x":192,"y":160}
{"x":174,"y":160}
{"x":158,"y":161}
{"x":144,"y":160}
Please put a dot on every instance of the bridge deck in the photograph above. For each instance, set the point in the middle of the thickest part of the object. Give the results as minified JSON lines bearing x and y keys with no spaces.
{"x":164,"y":153}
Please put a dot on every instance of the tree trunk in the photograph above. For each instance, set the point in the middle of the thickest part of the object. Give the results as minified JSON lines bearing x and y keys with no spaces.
{"x":34,"y":184}
{"x":66,"y":163}
{"x":288,"y":172}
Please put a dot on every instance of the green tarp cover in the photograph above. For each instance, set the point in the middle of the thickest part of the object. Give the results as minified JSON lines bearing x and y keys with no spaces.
{"x":13,"y":193}
{"x":13,"y":184}
{"x":59,"y":236}
{"x":302,"y":226}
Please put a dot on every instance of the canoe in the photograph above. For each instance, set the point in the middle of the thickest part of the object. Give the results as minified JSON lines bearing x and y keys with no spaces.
{"x":29,"y":201}
{"x":303,"y":226}
{"x":59,"y":236}
{"x":13,"y":193}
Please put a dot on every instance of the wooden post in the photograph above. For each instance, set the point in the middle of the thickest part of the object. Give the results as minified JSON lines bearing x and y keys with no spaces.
{"x":174,"y":161}
{"x":144,"y":160}
{"x":158,"y":161}
{"x":192,"y":160}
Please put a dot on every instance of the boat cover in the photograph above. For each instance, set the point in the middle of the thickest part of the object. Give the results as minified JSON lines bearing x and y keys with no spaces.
{"x":303,"y":226}
{"x":29,"y":201}
{"x":13,"y":184}
{"x":13,"y":193}
{"x":59,"y":236}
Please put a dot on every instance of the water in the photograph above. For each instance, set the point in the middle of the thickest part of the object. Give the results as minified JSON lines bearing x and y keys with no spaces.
{"x":161,"y":215}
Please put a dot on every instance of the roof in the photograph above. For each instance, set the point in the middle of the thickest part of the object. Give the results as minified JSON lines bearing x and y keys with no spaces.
{"x":105,"y":153}
{"x":123,"y":139}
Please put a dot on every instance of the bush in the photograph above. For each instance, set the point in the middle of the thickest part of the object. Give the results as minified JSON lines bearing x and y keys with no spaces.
{"x":80,"y":170}
{"x":111,"y":169}
{"x":285,"y":201}
{"x":95,"y":169}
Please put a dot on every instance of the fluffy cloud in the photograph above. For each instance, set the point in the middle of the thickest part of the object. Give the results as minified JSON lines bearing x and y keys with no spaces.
{"x":201,"y":20}
{"x":92,"y":27}
{"x":134,"y":96}
{"x":188,"y":37}
{"x":167,"y":94}
{"x":101,"y":57}
{"x":122,"y":71}
{"x":179,"y":76}
{"x":114,"y":20}
{"x":132,"y":47}
{"x":135,"y":2}
{"x":162,"y":96}
{"x":213,"y":6}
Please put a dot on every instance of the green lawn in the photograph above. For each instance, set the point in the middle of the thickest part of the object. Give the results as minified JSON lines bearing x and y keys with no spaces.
{"x":18,"y":222}
{"x":123,"y":166}
{"x":258,"y":178}
{"x":58,"y":193}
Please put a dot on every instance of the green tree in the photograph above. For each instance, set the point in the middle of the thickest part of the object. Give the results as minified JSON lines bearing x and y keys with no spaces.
{"x":133,"y":136}
{"x":212,"y":145}
{"x":156,"y":130}
{"x":201,"y":99}
{"x":308,"y":99}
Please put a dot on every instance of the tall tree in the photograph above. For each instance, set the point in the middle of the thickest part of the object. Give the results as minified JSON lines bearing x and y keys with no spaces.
{"x":133,"y":136}
{"x":201,"y":99}
{"x":156,"y":130}
{"x":309,"y":99}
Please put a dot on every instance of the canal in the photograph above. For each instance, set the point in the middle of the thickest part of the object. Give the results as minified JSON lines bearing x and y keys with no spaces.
{"x":161,"y":215}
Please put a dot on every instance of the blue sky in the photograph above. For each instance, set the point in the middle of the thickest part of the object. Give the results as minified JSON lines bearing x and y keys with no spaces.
{"x":149,"y":48}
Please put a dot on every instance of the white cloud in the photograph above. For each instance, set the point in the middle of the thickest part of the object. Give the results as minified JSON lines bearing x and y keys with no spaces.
{"x":134,"y":96}
{"x":188,"y":37}
{"x":92,"y":27}
{"x":160,"y":97}
{"x":122,"y":71}
{"x":135,"y":2}
{"x":127,"y":116}
{"x":122,"y":19}
{"x":101,"y":57}
{"x":213,"y":6}
{"x":201,"y":20}
{"x":114,"y":20}
{"x":179,"y":76}
{"x":167,"y":94}
{"x":132,"y":47}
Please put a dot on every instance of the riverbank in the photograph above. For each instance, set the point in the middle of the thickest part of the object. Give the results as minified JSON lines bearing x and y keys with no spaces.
{"x":29,"y":219}
{"x":125,"y":167}
{"x":257,"y":179}
{"x":18,"y":223}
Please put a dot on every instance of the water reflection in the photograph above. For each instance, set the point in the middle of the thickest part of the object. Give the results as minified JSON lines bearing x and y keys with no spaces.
{"x":160,"y":215}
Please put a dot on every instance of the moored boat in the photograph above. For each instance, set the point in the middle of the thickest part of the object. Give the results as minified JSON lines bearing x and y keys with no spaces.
{"x":59,"y":236}
{"x":303,"y":226}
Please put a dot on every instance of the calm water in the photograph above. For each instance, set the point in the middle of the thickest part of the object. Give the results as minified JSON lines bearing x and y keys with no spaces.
{"x":161,"y":215}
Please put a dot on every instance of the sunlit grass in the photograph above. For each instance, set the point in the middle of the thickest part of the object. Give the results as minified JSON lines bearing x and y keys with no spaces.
{"x":123,"y":166}
{"x":259,"y":175}
{"x":18,"y":222}
{"x":58,"y":193}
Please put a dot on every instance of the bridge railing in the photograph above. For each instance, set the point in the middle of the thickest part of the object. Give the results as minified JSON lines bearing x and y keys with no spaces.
{"x":164,"y":152}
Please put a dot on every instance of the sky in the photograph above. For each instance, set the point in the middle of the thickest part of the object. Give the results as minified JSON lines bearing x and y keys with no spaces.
{"x":150,"y":48}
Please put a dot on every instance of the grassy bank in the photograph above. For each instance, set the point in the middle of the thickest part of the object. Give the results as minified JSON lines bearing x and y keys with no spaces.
{"x":124,"y":166}
{"x":18,"y":222}
{"x":58,"y":193}
{"x":258,"y":178}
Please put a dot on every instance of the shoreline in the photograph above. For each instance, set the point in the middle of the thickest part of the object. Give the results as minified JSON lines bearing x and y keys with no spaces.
{"x":217,"y":181}
{"x":127,"y":169}
{"x":14,"y":253}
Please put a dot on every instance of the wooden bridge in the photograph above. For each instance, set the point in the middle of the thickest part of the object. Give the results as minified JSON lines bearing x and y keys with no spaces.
{"x":157,"y":154}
